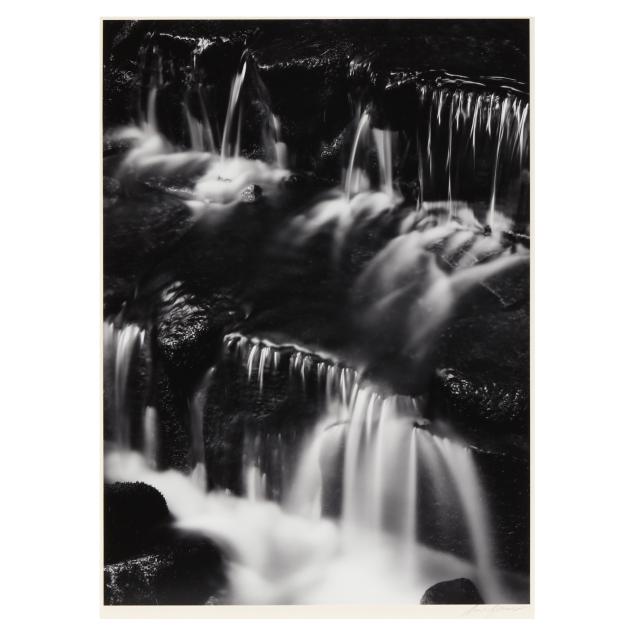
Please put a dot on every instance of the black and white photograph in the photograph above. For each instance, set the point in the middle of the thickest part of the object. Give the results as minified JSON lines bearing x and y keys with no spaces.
{"x":316,"y":312}
{"x":317,"y":318}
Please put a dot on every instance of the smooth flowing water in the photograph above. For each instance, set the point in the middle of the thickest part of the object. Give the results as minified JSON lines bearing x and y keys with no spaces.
{"x":395,"y":471}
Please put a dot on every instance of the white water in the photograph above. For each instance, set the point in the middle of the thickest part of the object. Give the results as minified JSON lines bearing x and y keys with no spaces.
{"x":200,"y":131}
{"x":385,"y":458}
{"x":501,"y":132}
{"x":276,"y":557}
{"x":221,"y":175}
{"x":460,"y":123}
{"x":405,"y":288}
{"x":352,"y":173}
{"x":233,"y":119}
{"x":121,"y":347}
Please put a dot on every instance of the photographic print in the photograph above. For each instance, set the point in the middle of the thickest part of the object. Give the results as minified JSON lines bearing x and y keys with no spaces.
{"x":316,"y":312}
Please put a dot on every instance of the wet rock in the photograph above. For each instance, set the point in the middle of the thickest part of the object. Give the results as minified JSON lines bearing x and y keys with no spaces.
{"x":251,"y":194}
{"x":239,"y":417}
{"x":112,"y":190}
{"x":477,"y":403}
{"x":506,"y":480}
{"x":484,"y":333}
{"x":134,"y":513}
{"x":187,"y":570}
{"x":195,"y":572}
{"x":459,"y":591}
{"x":189,"y":333}
{"x":133,"y":582}
{"x":510,"y":288}
{"x":190,"y":327}
{"x":174,"y":439}
{"x":139,"y":228}
{"x":147,"y":560}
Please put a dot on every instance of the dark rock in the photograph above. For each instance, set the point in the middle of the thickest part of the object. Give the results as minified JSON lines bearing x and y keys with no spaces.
{"x":482,"y":404}
{"x":239,"y":415}
{"x":147,"y":560}
{"x":188,"y":570}
{"x":134,"y":513}
{"x":112,"y":190}
{"x":133,"y":582}
{"x":510,"y":288}
{"x":117,"y":291}
{"x":190,"y":327}
{"x":506,"y":480}
{"x":472,"y":340}
{"x":139,"y":229}
{"x":173,"y":421}
{"x":195,"y":571}
{"x":459,"y":591}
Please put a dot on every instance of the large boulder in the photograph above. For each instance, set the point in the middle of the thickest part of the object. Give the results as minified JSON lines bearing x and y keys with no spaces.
{"x":194,"y":573}
{"x":187,"y":570}
{"x":459,"y":591}
{"x":134,"y":514}
{"x":190,"y":327}
{"x":147,"y":559}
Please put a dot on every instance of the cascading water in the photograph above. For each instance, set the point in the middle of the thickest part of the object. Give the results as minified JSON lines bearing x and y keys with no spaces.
{"x":121,"y":350}
{"x":386,"y":448}
{"x":233,"y":119}
{"x":466,"y":127}
{"x":197,"y":417}
{"x":402,"y":481}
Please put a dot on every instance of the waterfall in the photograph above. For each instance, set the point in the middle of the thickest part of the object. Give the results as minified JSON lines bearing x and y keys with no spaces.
{"x":121,"y":349}
{"x":335,"y":382}
{"x":464,"y":123}
{"x":150,"y":436}
{"x":199,"y":130}
{"x":233,"y":120}
{"x":358,"y":500}
{"x":305,"y":495}
{"x":384,"y":140}
{"x":463,"y":473}
{"x":501,"y":130}
{"x":385,"y":459}
{"x":351,"y":173}
{"x":387,"y":451}
{"x":197,"y":418}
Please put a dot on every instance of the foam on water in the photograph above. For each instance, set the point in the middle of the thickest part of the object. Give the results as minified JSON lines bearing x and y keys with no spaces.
{"x":277,"y":557}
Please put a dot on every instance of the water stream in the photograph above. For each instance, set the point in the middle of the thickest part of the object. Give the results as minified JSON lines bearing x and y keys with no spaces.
{"x":396,"y":471}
